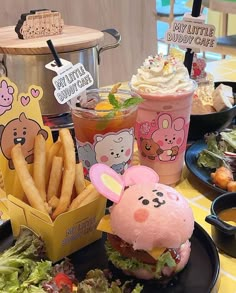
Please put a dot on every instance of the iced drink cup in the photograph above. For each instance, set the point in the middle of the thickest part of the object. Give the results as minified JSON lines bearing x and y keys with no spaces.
{"x":104,"y":135}
{"x":163,"y":118}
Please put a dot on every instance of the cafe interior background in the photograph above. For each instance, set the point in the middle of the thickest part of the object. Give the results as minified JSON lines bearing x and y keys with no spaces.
{"x":136,"y":20}
{"x":142,"y":34}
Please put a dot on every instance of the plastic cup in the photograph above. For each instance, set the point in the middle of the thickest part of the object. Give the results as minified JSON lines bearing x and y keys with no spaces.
{"x":103,"y":136}
{"x":162,"y":131}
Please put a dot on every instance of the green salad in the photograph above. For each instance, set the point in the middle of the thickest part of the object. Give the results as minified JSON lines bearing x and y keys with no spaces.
{"x":96,"y":281}
{"x":25,"y":269}
{"x":220,"y":151}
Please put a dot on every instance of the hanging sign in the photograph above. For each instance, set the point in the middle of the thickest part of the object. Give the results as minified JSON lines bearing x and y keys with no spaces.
{"x":191,"y":32}
{"x":70,"y":81}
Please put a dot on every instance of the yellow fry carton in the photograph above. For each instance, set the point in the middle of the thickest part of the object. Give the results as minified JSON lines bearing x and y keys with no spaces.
{"x":20,"y":123}
{"x":68,"y":233}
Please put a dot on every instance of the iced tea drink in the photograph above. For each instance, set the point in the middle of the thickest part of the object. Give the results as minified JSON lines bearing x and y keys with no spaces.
{"x":104,"y":134}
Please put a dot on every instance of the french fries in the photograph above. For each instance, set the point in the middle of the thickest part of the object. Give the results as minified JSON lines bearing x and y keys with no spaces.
{"x":53,"y":202}
{"x":57,"y":183}
{"x":53,"y":150}
{"x":27,"y":182}
{"x":2,"y":185}
{"x":40,"y":165}
{"x":88,"y":194}
{"x":2,"y":193}
{"x":79,"y":178}
{"x":55,"y":177}
{"x":68,"y":173}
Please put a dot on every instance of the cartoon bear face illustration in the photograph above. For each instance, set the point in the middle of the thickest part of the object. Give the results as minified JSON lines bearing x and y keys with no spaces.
{"x":115,"y":149}
{"x":149,"y":148}
{"x":20,"y":130}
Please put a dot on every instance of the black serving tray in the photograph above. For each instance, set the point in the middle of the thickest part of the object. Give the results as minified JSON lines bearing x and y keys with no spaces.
{"x":200,"y":275}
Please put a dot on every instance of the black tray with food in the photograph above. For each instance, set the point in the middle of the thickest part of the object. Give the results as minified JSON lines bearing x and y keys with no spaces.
{"x":203,"y":174}
{"x":215,"y":153}
{"x":200,"y":124}
{"x":200,"y":275}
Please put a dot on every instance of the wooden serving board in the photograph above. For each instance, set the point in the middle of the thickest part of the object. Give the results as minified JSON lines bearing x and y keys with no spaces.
{"x":73,"y":38}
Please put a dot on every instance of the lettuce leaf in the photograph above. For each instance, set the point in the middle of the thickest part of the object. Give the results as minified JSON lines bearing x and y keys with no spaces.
{"x":40,"y":272}
{"x":230,"y":138}
{"x":214,"y":156}
{"x":21,"y":265}
{"x":96,"y":281}
{"x":133,"y":264}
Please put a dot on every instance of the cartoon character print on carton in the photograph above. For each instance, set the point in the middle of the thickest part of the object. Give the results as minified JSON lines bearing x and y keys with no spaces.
{"x":20,"y":130}
{"x":6,"y":97}
{"x":149,"y":148}
{"x":115,"y":149}
{"x":169,"y":136}
{"x":87,"y":156}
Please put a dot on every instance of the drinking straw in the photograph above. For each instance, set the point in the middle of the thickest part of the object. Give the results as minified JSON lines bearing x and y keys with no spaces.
{"x":82,"y":97}
{"x":54,"y":53}
{"x":188,"y":60}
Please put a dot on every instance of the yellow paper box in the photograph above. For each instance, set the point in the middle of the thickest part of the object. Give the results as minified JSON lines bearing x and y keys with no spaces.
{"x":20,"y":122}
{"x":68,"y":233}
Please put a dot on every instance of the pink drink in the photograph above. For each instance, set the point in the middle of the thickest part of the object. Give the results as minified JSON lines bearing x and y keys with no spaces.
{"x":162,"y":131}
{"x":163,"y":118}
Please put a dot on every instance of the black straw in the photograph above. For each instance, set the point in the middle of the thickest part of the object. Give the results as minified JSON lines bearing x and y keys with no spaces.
{"x":188,"y":60}
{"x":54,"y":53}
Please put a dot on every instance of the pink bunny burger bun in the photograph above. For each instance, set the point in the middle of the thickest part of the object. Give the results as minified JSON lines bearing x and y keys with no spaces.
{"x":150,"y":225}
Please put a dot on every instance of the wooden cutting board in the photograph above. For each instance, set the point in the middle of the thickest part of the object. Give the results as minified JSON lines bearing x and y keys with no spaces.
{"x":73,"y":38}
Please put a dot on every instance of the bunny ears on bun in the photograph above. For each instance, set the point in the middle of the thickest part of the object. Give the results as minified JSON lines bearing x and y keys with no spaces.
{"x":111,"y":184}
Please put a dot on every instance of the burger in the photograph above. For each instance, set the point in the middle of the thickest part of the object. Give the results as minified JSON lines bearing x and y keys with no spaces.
{"x":149,"y":224}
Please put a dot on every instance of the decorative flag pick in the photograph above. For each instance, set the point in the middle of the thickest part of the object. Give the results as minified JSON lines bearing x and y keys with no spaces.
{"x":191,"y":34}
{"x":188,"y":60}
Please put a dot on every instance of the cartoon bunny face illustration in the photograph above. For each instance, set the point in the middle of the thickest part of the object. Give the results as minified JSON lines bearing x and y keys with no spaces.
{"x":144,"y":200}
{"x":145,"y":203}
{"x":6,"y":97}
{"x":169,"y":136}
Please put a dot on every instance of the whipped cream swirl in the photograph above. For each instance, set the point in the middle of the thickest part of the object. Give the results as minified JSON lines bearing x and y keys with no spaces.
{"x":162,"y":74}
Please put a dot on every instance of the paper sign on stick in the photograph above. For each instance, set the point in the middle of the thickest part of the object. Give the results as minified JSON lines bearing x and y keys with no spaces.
{"x":71,"y":80}
{"x":191,"y":33}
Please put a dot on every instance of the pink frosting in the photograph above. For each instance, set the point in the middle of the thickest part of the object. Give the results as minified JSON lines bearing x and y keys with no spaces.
{"x":152,"y":215}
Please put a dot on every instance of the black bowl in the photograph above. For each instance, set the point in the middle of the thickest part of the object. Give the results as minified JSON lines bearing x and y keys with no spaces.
{"x":217,"y":121}
{"x":223,"y":234}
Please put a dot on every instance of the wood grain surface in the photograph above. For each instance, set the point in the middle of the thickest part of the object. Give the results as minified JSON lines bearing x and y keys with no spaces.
{"x":73,"y":38}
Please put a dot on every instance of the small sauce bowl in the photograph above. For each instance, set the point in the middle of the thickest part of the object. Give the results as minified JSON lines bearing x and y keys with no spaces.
{"x":223,"y":234}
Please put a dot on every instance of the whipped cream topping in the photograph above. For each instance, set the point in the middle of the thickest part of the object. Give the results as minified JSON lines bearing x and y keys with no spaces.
{"x":162,"y":74}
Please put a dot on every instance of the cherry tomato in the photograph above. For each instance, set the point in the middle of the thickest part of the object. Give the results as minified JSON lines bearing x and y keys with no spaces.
{"x":62,"y":279}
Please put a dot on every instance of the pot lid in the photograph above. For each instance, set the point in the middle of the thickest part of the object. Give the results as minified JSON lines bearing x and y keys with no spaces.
{"x":73,"y":38}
